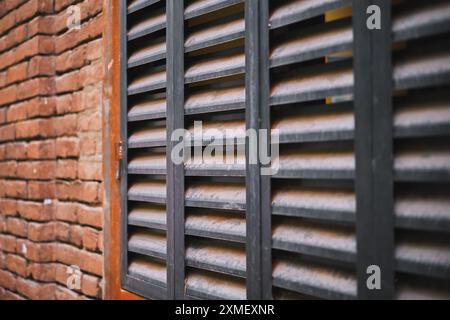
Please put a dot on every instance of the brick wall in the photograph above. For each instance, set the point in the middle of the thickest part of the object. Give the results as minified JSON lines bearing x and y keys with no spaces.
{"x":51,"y":191}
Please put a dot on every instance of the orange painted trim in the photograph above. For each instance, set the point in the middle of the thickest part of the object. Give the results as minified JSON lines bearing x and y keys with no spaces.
{"x":111,"y":136}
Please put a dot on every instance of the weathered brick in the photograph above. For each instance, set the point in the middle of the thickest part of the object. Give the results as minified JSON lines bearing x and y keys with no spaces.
{"x":35,"y":211}
{"x":17,"y":265}
{"x":66,"y":169}
{"x":91,"y":216}
{"x":41,"y":150}
{"x":90,"y":170}
{"x":17,"y":227}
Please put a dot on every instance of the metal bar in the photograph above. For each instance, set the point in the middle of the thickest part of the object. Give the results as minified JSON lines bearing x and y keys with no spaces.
{"x":175,"y":172}
{"x":266,"y":180}
{"x":258,"y":215}
{"x":374,"y":148}
{"x":123,"y":174}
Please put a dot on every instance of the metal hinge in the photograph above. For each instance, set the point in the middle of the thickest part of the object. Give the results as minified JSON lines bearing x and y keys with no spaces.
{"x":119,"y":158}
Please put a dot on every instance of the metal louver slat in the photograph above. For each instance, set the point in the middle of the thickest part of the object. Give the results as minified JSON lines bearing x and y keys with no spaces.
{"x":216,"y":35}
{"x":151,"y":53}
{"x":147,"y":26}
{"x":151,"y":137}
{"x":137,"y":5}
{"x":201,"y":7}
{"x":298,"y":10}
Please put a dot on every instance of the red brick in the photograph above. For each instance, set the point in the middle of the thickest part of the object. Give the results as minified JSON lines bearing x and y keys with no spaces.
{"x":91,"y":216}
{"x":67,"y":169}
{"x":90,"y":145}
{"x":17,"y":73}
{"x":88,"y":192}
{"x":41,"y":107}
{"x":8,"y":243}
{"x":66,"y":294}
{"x":90,"y":239}
{"x":7,"y":280}
{"x":16,"y":151}
{"x":15,"y":189}
{"x":8,"y":132}
{"x":87,"y":261}
{"x":67,"y":147}
{"x":17,"y":227}
{"x":17,"y":265}
{"x":90,"y":122}
{"x":41,"y":190}
{"x":90,"y":286}
{"x":8,"y":207}
{"x":41,"y":66}
{"x":40,"y":232}
{"x":8,"y":169}
{"x":42,"y":272}
{"x":35,"y":211}
{"x":42,"y":150}
{"x":66,"y":211}
{"x":68,"y":82}
{"x":36,"y":291}
{"x":37,"y":252}
{"x":62,"y":232}
{"x":37,"y":170}
{"x":66,"y":125}
{"x":90,"y":170}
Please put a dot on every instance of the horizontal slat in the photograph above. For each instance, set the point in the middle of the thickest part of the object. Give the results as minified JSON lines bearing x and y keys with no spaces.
{"x":321,"y":204}
{"x":299,"y":10}
{"x":204,"y":285}
{"x":207,"y":166}
{"x":137,"y":5}
{"x":146,"y":26}
{"x":148,"y":137}
{"x":422,"y":71}
{"x":149,"y":110}
{"x":150,"y":191}
{"x":423,"y":211}
{"x":148,"y":164}
{"x":214,"y":225}
{"x":314,"y":83}
{"x":423,"y":256}
{"x":314,"y":280}
{"x":201,"y":7}
{"x":215,"y":100}
{"x":315,"y":165}
{"x":215,"y":132}
{"x":422,"y":116}
{"x":313,"y":43}
{"x":150,"y":53}
{"x":327,"y":125}
{"x":212,"y":36}
{"x":212,"y":256}
{"x":148,"y":82}
{"x":215,"y":166}
{"x":149,"y":271}
{"x":326,"y":241}
{"x":216,"y":68}
{"x":148,"y":243}
{"x":153,"y":217}
{"x":422,"y":20}
{"x":422,"y":164}
{"x":216,"y":196}
{"x":411,"y":289}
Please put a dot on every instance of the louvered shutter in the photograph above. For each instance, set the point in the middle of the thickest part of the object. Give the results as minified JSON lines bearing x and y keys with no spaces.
{"x":421,"y":59}
{"x":288,"y":66}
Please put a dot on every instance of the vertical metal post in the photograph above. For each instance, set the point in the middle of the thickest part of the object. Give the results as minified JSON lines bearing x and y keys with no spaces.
{"x":374,"y":148}
{"x":175,"y":172}
{"x":258,"y":214}
{"x":123,"y":174}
